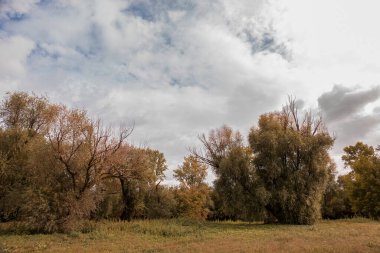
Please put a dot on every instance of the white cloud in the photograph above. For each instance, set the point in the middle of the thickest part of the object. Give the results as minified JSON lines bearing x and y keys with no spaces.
{"x":16,"y":7}
{"x":13,"y":54}
{"x":180,"y":68}
{"x":332,"y":42}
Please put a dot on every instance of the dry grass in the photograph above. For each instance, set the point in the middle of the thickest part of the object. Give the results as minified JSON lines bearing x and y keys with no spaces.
{"x":356,"y":235}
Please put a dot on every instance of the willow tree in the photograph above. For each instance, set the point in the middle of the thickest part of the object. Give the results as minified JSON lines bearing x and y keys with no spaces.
{"x":237,"y":191}
{"x":22,"y":120}
{"x":291,"y":159}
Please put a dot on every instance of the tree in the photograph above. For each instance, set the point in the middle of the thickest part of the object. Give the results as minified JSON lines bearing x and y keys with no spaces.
{"x":238,"y":192}
{"x":23,"y":119}
{"x":82,"y":149}
{"x":193,"y":193}
{"x":139,"y":172}
{"x":292,"y":161}
{"x":54,"y":158}
{"x":132,"y":186}
{"x":336,"y":200}
{"x":363,"y":182}
{"x":14,"y":176}
{"x":336,"y":203}
{"x":159,"y":200}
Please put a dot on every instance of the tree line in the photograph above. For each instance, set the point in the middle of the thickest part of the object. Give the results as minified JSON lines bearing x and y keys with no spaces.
{"x":59,"y":167}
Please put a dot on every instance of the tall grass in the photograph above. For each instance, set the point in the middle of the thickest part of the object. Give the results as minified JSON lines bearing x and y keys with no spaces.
{"x":176,"y":235}
{"x":164,"y":228}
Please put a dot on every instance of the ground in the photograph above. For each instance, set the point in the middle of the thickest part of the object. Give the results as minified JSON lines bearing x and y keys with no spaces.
{"x":353,"y":235}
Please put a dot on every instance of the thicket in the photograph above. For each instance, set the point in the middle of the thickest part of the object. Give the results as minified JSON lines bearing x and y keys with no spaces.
{"x":59,"y":167}
{"x":358,"y":192}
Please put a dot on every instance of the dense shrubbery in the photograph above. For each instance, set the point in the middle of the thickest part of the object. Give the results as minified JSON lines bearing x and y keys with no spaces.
{"x":292,"y":162}
{"x":281,"y":176}
{"x":358,"y":192}
{"x":58,"y":168}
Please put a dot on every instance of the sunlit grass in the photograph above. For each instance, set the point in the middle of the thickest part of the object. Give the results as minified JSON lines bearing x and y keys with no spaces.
{"x":355,"y":235}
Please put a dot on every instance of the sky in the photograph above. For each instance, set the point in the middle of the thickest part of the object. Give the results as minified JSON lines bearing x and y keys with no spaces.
{"x":179,"y":68}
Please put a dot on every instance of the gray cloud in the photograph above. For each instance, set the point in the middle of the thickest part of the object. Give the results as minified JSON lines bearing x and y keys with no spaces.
{"x":347,"y":117}
{"x":342,"y":102}
{"x":358,"y":128}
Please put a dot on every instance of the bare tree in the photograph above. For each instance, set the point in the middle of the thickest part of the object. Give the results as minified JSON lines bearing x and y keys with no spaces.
{"x":84,"y":147}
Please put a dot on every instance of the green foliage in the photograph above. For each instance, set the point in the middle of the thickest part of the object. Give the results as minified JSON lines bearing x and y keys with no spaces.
{"x":160,"y":203}
{"x":242,"y":191}
{"x":336,"y":202}
{"x":111,"y":206}
{"x":362,"y":184}
{"x":171,"y":228}
{"x":21,"y":118}
{"x":283,"y":174}
{"x":14,"y":175}
{"x":292,"y":161}
{"x":237,"y":192}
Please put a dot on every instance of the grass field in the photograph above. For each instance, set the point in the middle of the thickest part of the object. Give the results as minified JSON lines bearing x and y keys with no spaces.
{"x":356,"y":235}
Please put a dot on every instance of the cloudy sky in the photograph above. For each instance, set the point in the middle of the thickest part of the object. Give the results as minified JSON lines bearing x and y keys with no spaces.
{"x":178,"y":68}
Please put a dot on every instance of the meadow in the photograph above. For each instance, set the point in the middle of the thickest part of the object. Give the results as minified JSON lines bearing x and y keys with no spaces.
{"x":351,"y":235}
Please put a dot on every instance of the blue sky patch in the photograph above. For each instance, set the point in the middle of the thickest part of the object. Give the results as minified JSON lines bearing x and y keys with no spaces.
{"x":141,"y":9}
{"x":42,"y":52}
{"x":16,"y":16}
{"x":151,"y":10}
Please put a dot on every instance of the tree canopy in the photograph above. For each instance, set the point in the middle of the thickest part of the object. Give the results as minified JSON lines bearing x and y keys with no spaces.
{"x":59,"y":167}
{"x":363,"y":182}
